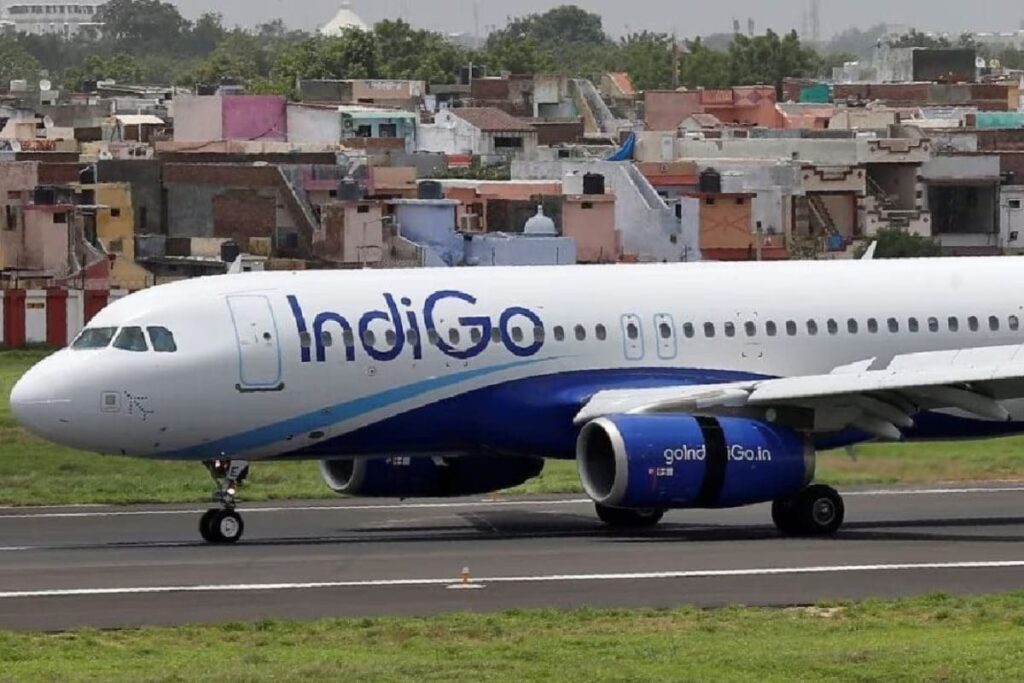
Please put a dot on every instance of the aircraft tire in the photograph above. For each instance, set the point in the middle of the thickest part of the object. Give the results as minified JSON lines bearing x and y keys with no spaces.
{"x":816,"y":511}
{"x":221,"y":527}
{"x":625,"y":518}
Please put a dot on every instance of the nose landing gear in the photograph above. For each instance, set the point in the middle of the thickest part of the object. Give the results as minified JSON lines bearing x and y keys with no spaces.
{"x":223,"y":525}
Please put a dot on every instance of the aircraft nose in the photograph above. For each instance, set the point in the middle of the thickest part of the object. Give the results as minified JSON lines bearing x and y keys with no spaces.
{"x":37,"y":403}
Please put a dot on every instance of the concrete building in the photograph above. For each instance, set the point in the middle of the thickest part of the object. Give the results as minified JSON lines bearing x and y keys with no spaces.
{"x":485,"y":132}
{"x":379,"y":92}
{"x":65,"y":19}
{"x":206,"y":118}
{"x":352,"y":233}
{"x":115,"y":233}
{"x":747,"y":105}
{"x":963,"y":197}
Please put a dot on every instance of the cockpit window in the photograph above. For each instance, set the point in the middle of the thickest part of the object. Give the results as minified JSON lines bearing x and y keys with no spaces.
{"x":131,"y":339}
{"x":94,"y":338}
{"x":163,"y":339}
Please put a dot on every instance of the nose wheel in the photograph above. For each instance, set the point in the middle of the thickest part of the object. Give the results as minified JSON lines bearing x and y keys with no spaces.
{"x":223,"y":525}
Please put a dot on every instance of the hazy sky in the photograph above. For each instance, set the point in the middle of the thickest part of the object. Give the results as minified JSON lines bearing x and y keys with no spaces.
{"x":687,"y":17}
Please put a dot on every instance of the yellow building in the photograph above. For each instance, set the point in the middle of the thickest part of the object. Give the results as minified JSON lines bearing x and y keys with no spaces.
{"x":115,"y":232}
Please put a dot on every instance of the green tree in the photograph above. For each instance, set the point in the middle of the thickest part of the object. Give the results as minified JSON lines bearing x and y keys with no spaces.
{"x":647,"y":57}
{"x":517,"y":55}
{"x":139,"y":26}
{"x":770,"y":59}
{"x":565,"y":39}
{"x":701,"y":67}
{"x":898,"y":243}
{"x":16,"y":62}
{"x":915,"y":38}
{"x":408,"y":53}
{"x":206,"y":34}
{"x":121,"y":67}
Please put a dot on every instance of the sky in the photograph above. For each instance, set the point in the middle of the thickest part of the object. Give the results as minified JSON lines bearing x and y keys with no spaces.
{"x":685,"y":17}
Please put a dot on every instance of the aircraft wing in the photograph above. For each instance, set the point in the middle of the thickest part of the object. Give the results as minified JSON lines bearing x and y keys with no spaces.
{"x":873,"y":395}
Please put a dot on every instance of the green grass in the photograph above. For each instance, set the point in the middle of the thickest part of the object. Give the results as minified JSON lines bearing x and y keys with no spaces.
{"x":937,"y":638}
{"x":33,"y":472}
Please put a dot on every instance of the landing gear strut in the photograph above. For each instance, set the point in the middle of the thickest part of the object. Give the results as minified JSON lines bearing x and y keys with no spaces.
{"x":625,"y":518}
{"x":222,"y":525}
{"x":816,"y":511}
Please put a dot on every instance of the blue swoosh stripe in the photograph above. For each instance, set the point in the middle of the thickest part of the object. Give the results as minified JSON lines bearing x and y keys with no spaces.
{"x":325,"y":417}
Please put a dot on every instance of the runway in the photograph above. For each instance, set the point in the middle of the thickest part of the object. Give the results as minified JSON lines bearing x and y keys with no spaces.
{"x":62,"y":568}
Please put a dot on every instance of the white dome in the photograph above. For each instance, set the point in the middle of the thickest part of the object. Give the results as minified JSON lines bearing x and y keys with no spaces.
{"x":343,"y":20}
{"x":540,"y":225}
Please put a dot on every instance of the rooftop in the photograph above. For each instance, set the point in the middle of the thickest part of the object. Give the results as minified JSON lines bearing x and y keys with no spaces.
{"x":492,"y":120}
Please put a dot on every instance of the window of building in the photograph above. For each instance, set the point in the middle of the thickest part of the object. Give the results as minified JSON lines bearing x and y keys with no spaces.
{"x":14,"y":195}
{"x":115,"y":212}
{"x":364,"y":132}
{"x":60,"y":218}
{"x":143,"y":217}
{"x":954,"y":324}
{"x":363,"y":208}
{"x":750,"y":327}
{"x":973,"y":324}
{"x":1014,"y":203}
{"x":740,"y":201}
{"x":771,"y":329}
{"x":812,"y":327}
{"x":12,"y":217}
{"x":730,"y":330}
{"x":508,"y":143}
{"x":709,"y":330}
{"x":833,"y":327}
{"x":387,"y":130}
{"x":852,"y":326}
{"x":581,"y":333}
{"x":710,"y":201}
{"x":1014,"y":323}
{"x":559,"y":332}
{"x":94,"y":338}
{"x":993,"y":323}
{"x":913,"y":325}
{"x":688,"y":330}
{"x":791,"y":328}
{"x":131,"y":339}
{"x":601,"y":332}
{"x":872,"y":326}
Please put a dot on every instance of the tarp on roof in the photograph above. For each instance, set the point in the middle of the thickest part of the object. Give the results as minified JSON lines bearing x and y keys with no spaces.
{"x":627,"y":150}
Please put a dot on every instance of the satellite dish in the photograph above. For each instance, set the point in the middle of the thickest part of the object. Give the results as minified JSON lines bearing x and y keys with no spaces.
{"x":45,"y":85}
{"x":48,"y":122}
{"x":980,"y":63}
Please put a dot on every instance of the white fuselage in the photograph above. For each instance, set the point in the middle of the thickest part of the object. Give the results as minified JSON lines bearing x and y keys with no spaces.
{"x":248,"y":379}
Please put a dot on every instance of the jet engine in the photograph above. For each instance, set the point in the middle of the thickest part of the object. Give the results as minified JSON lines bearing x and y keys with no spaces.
{"x":682,"y":461}
{"x":428,"y":477}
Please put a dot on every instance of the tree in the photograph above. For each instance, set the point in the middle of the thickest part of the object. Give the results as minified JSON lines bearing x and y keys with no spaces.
{"x":565,"y":39}
{"x":517,"y":55}
{"x":861,"y":43}
{"x":770,"y":59}
{"x":121,"y":67}
{"x":916,"y":38}
{"x":701,"y":67}
{"x":408,"y":53}
{"x":648,"y":58}
{"x":898,"y":243}
{"x":140,"y":26}
{"x":16,"y":62}
{"x":207,"y":33}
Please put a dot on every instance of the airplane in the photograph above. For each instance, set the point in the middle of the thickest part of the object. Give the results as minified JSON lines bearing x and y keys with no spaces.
{"x":702,"y":385}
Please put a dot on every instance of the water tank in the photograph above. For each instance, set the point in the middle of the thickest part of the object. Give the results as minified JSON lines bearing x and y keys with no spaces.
{"x":711,"y":181}
{"x":572,"y":184}
{"x":430,"y":189}
{"x":593,"y":183}
{"x":540,"y":225}
{"x":349,"y":191}
{"x":229,"y":251}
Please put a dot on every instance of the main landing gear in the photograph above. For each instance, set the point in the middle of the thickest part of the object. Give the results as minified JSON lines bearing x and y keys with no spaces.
{"x":816,"y":511}
{"x":622,"y":518}
{"x":222,"y":525}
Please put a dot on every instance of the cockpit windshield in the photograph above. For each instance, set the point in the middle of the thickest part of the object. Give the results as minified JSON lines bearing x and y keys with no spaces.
{"x":94,"y":338}
{"x":163,"y":339}
{"x":131,"y":339}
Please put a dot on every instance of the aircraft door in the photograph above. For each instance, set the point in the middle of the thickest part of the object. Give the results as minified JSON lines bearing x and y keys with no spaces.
{"x":665,"y":329}
{"x":632,"y":337}
{"x":259,"y":351}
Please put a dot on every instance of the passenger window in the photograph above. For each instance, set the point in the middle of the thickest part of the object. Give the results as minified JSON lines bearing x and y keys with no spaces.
{"x":538,"y":333}
{"x":709,"y":330}
{"x":791,"y":328}
{"x":688,"y":330}
{"x":131,"y":339}
{"x":496,"y":335}
{"x":913,"y":325}
{"x":517,"y":334}
{"x":411,"y":336}
{"x":162,"y":339}
{"x":933,"y":324}
{"x":833,"y":327}
{"x":454,"y":337}
{"x":94,"y":338}
{"x":1014,"y":323}
{"x":972,"y":323}
{"x":390,"y":337}
{"x":872,"y":326}
{"x":581,"y":333}
{"x":665,"y":331}
{"x":601,"y":332}
{"x":433,"y":338}
{"x":852,"y":327}
{"x":730,"y":330}
{"x":326,"y":339}
{"x":954,"y":324}
{"x":993,"y":323}
{"x":559,"y":333}
{"x":632,"y":332}
{"x":771,"y":329}
{"x":305,"y":340}
{"x":751,"y":329}
{"x":812,"y":328}
{"x":475,"y":335}
{"x":894,"y":325}
{"x":369,"y":338}
{"x":349,"y":339}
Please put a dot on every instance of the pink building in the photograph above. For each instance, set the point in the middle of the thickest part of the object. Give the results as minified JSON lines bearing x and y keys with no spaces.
{"x":590,"y":221}
{"x":206,"y":118}
{"x":746,"y":105}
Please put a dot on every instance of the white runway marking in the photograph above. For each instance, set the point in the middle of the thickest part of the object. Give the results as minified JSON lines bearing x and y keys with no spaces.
{"x":255,"y":509}
{"x":553,"y":578}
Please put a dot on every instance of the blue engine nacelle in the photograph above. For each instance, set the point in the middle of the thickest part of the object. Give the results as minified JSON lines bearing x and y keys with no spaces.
{"x":681,"y":461}
{"x":428,"y":477}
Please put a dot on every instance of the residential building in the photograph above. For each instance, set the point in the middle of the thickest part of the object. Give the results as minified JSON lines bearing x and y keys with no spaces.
{"x":746,"y":105}
{"x":206,"y":118}
{"x":485,"y":132}
{"x":65,"y":19}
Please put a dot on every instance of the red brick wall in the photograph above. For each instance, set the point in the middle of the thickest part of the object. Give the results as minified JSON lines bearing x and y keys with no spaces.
{"x":241,"y":214}
{"x":219,"y":174}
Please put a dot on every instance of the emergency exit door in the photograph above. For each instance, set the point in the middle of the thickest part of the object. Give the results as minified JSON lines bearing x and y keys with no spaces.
{"x":259,"y":350}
